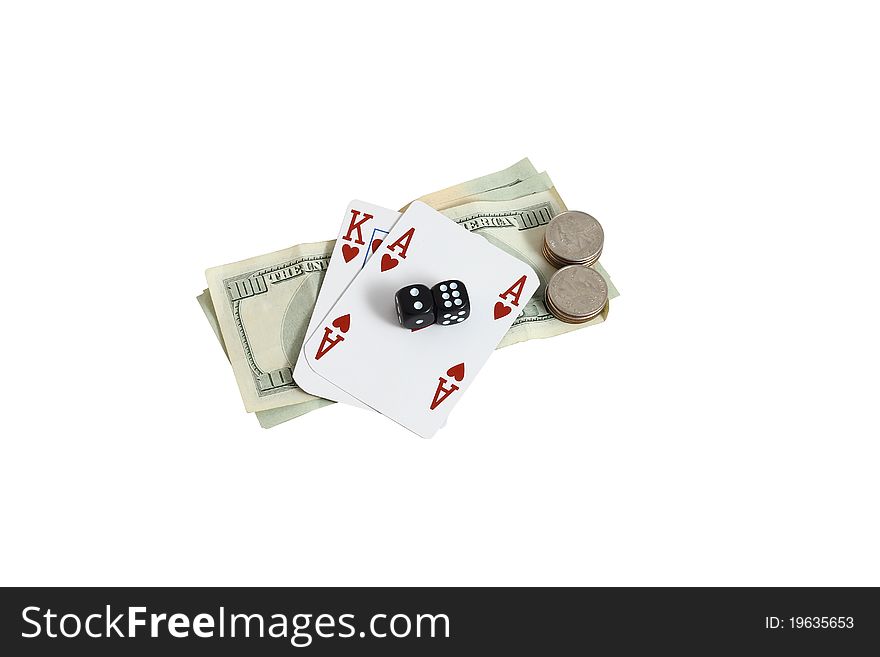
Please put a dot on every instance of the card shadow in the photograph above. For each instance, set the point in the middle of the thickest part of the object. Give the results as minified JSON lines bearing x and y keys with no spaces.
{"x":381,"y":302}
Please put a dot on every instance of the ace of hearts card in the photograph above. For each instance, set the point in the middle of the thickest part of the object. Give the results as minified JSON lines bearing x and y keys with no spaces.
{"x":417,"y":377}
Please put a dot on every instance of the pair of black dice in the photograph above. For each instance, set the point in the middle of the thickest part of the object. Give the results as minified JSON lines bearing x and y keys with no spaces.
{"x":446,"y":304}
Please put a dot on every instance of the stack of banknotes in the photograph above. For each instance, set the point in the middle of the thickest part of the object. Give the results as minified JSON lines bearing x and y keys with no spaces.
{"x":261,"y":321}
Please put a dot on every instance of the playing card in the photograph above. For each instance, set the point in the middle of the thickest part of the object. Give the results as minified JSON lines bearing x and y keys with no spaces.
{"x":415,"y":377}
{"x":364,"y":226}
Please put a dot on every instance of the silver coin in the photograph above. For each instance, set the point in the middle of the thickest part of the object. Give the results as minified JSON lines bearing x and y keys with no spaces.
{"x":569,"y":319}
{"x":553,"y":260}
{"x":577,"y":292}
{"x":574,"y":238}
{"x":558,"y":314}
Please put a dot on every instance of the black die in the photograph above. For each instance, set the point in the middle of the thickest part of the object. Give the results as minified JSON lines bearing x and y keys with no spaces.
{"x":415,"y":306}
{"x":451,"y":302}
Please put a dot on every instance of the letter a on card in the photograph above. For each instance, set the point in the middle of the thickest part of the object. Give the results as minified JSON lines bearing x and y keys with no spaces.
{"x":343,"y":323}
{"x":402,"y":243}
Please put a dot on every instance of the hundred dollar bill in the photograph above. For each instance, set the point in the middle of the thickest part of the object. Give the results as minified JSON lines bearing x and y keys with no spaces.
{"x":263,"y":304}
{"x":273,"y":416}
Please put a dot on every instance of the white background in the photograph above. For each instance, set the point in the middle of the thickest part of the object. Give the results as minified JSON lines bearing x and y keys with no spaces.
{"x":720,"y":428}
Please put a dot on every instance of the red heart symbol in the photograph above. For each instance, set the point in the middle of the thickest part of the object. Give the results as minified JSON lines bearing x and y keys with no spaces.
{"x":389,"y":262}
{"x":501,"y":310}
{"x":376,"y":244}
{"x":343,"y":323}
{"x":456,"y":372}
{"x":349,"y":252}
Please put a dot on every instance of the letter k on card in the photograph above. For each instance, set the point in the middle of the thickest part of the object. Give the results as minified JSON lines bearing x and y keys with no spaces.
{"x":354,"y":236}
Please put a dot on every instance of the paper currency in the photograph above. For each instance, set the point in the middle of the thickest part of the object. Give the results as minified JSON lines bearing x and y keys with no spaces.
{"x":273,"y":416}
{"x":263,"y":306}
{"x":259,"y":308}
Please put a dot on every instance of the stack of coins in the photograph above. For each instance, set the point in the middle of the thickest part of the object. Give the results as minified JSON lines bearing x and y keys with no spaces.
{"x":573,"y":238}
{"x":576,"y":294}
